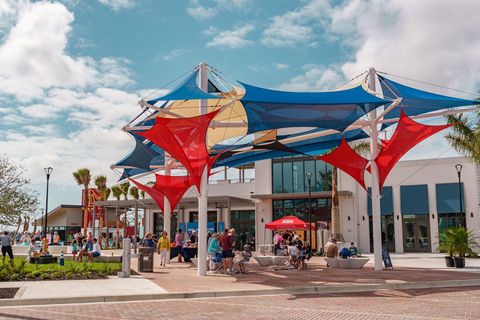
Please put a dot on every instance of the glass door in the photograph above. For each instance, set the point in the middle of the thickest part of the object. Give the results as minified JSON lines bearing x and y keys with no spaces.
{"x":416,"y":233}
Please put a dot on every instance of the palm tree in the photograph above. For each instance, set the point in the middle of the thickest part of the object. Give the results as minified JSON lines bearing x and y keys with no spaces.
{"x":82,"y":177}
{"x":101,"y":184}
{"x":142,"y":194}
{"x":465,"y":136}
{"x":105,"y":195}
{"x":125,"y":187}
{"x":134,"y":193}
{"x":117,"y":193}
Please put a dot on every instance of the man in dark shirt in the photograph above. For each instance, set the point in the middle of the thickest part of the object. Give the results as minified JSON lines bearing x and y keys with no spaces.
{"x":226,"y":242}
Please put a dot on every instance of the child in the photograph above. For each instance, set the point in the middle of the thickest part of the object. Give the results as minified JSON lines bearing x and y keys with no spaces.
{"x":74,"y":249}
{"x":246,"y":255}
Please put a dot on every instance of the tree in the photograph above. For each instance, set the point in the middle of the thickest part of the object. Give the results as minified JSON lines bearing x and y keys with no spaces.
{"x":117,"y":193}
{"x":465,"y":136}
{"x":105,"y":195}
{"x":82,"y":177}
{"x":101,"y":184}
{"x":16,"y":200}
{"x":134,"y":193}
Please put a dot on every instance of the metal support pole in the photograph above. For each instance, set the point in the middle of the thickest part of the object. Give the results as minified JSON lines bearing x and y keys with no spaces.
{"x":309,"y":177}
{"x":135,"y":228}
{"x":48,"y":171}
{"x":459,"y":173}
{"x":377,"y":227}
{"x":203,"y":192}
{"x":167,"y":210}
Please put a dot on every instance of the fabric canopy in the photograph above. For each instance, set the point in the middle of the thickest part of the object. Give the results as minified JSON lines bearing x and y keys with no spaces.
{"x":408,"y":134}
{"x":288,"y":222}
{"x":157,"y":196}
{"x":347,"y":160}
{"x":187,"y":90}
{"x":131,"y":172}
{"x":143,"y":156}
{"x":312,"y":146}
{"x":269,"y":109}
{"x":415,"y":101}
{"x":173,"y":187}
{"x":184,"y":140}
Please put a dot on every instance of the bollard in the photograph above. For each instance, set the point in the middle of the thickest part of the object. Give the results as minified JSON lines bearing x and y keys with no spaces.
{"x":126,"y":258}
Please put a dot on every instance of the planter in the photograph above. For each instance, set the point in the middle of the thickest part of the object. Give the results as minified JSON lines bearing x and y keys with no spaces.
{"x":459,"y":262}
{"x":449,"y":262}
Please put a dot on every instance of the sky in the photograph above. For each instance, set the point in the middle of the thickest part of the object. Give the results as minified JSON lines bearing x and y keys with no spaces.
{"x":72,"y":71}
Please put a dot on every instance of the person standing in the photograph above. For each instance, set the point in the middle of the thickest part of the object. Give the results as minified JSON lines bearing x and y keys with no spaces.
{"x":164,"y":248}
{"x":56,"y":238}
{"x":226,"y":242}
{"x":193,"y":237}
{"x":178,"y":244}
{"x":6,"y":242}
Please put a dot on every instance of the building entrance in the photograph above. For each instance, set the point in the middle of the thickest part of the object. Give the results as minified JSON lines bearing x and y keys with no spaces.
{"x":416,"y":233}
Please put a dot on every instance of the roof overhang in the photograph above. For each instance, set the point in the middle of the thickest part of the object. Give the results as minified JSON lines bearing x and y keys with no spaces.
{"x":302,"y":195}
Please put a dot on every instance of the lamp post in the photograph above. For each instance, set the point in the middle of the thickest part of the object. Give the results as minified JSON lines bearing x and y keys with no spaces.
{"x":48,"y":171}
{"x":309,"y":178}
{"x":459,"y":173}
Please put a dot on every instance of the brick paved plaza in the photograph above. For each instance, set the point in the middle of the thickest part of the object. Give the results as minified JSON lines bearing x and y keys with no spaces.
{"x":453,"y":303}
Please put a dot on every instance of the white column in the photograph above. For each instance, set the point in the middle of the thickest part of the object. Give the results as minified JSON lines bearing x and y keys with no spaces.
{"x":377,"y":229}
{"x":227,"y":217}
{"x":219,"y":215}
{"x":433,"y":217}
{"x":397,"y":220}
{"x":167,"y":210}
{"x":202,"y":198}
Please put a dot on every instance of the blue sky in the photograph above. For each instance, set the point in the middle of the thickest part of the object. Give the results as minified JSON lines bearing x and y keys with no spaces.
{"x":72,"y":71}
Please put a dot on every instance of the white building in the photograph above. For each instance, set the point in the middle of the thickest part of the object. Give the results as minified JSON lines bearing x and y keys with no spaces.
{"x":419,"y":198}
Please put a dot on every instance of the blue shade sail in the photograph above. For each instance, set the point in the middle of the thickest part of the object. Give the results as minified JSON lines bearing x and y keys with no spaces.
{"x":415,"y":101}
{"x":127,"y":173}
{"x":269,"y":109}
{"x":414,"y":199}
{"x":187,"y":90}
{"x":386,"y":201}
{"x":448,"y":197}
{"x":143,"y":156}
{"x":313,"y":146}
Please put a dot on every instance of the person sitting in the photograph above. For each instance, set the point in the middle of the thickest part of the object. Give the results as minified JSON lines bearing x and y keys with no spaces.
{"x":96,"y":251}
{"x":84,"y":252}
{"x":25,"y":239}
{"x":353,"y":250}
{"x":294,"y":255}
{"x":56,"y":238}
{"x":306,"y":254}
{"x":345,"y":253}
{"x":246,"y":255}
{"x":331,"y":250}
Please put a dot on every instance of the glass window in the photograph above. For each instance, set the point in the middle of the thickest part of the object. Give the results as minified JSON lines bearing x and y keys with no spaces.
{"x":287,"y":207}
{"x":298,"y":177}
{"x":277,"y":209}
{"x":310,"y":168}
{"x":448,"y":197}
{"x":277,"y":178}
{"x":287,"y":177}
{"x":299,"y":209}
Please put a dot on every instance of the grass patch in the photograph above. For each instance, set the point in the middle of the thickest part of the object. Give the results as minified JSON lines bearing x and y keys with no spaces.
{"x":73,"y":270}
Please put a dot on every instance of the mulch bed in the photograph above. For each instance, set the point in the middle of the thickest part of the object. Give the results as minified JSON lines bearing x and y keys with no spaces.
{"x":8,"y":293}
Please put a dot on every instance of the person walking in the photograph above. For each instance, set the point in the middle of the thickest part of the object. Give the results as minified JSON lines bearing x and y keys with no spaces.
{"x":164,"y":249}
{"x":6,"y":242}
{"x":179,"y":244}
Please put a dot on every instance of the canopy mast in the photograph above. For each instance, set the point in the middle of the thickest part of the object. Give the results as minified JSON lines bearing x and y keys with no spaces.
{"x":377,"y":229}
{"x":202,"y":193}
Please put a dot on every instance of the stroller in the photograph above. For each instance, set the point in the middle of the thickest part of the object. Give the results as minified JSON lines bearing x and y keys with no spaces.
{"x":216,"y":262}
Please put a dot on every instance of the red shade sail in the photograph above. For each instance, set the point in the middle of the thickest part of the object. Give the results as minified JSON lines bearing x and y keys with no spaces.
{"x":406,"y":136}
{"x":173,"y":187}
{"x":288,"y":222}
{"x":184,"y":140}
{"x":156,"y":195}
{"x":347,"y":160}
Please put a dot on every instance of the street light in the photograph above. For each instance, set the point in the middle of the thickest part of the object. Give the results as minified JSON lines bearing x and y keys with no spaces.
{"x":48,"y":171}
{"x":459,"y":172}
{"x":309,"y":178}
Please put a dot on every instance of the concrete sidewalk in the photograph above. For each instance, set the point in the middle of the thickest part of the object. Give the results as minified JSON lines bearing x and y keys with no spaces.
{"x":55,"y":289}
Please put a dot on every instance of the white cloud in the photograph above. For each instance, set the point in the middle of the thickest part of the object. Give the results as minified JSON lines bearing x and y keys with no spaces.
{"x":201,"y":12}
{"x":435,"y":41}
{"x":297,"y":26}
{"x":315,"y":78}
{"x":173,"y":54}
{"x":232,"y":39}
{"x":282,"y":66}
{"x":118,"y":5}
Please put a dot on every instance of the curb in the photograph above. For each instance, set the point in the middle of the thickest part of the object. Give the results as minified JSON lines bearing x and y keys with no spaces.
{"x":235,"y":293}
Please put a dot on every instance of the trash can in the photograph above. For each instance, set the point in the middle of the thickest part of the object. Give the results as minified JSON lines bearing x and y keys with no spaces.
{"x":145,"y":259}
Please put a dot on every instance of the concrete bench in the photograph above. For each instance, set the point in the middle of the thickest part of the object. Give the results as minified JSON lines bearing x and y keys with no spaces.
{"x":351,"y":263}
{"x":69,"y":257}
{"x":266,"y":261}
{"x":20,"y":250}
